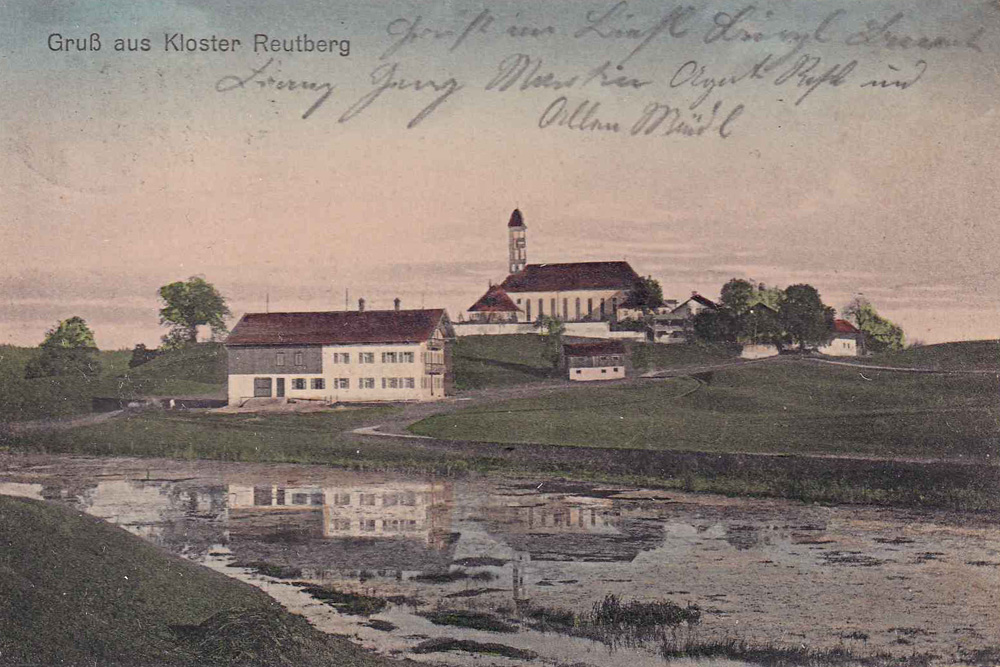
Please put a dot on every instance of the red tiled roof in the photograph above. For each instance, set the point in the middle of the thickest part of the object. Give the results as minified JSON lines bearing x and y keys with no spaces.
{"x":336,"y":328}
{"x":844,"y":327}
{"x":593,"y":349}
{"x":516,"y":219}
{"x":494,"y":301}
{"x":572,"y":276}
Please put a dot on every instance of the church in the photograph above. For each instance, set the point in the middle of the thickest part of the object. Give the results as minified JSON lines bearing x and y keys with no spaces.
{"x":571,"y":292}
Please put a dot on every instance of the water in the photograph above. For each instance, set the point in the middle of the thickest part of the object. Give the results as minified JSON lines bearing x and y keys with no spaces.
{"x":764,"y":571}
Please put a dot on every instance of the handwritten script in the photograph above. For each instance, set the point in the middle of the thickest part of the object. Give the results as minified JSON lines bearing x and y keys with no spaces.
{"x":680,"y":71}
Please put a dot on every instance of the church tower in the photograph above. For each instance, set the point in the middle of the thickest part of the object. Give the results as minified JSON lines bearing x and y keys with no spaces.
{"x":518,"y":243}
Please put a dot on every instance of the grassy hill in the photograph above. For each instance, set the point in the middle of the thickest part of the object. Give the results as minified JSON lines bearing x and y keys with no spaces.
{"x":197,"y":371}
{"x":960,"y":356}
{"x":500,"y":361}
{"x":782,"y":407}
{"x":79,"y":591}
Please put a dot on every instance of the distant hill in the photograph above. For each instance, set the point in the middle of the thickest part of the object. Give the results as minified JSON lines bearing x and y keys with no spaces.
{"x":199,"y":370}
{"x":973,"y":355}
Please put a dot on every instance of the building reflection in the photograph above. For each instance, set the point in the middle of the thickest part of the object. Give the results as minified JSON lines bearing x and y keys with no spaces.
{"x":378,"y":528}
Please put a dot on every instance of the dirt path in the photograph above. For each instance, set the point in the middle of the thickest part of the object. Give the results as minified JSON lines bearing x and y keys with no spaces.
{"x":20,"y":428}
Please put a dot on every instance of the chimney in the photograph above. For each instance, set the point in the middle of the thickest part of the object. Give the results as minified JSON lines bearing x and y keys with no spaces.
{"x":396,"y":302}
{"x":361,"y":305}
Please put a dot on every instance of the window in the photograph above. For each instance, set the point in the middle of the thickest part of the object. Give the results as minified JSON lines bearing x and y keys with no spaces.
{"x":342,"y":499}
{"x":299,"y":361}
{"x":578,"y":371}
{"x":565,"y":309}
{"x":604,"y":370}
{"x":318,"y":383}
{"x":366,"y":383}
{"x":341,"y":524}
{"x":541,"y":307}
{"x":366,"y":357}
{"x":341,"y":357}
{"x":390,"y":500}
{"x":388,"y":357}
{"x":552,"y":307}
{"x":615,"y":369}
{"x":368,"y":499}
{"x":409,"y":499}
{"x":577,"y":307}
{"x":590,"y":308}
{"x":602,"y":309}
{"x":341,"y":383}
{"x":279,"y":359}
{"x":390,"y":383}
{"x":527,"y":312}
{"x":406,"y":357}
{"x":317,"y":499}
{"x":368,"y":525}
{"x":409,"y":383}
{"x":299,"y":383}
{"x":300,"y":498}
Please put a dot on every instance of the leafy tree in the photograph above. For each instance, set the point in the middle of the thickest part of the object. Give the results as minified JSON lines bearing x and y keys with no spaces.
{"x":738,"y":295}
{"x":187,"y":305}
{"x":646,"y":294}
{"x":804,"y":316}
{"x":762,"y":324}
{"x":716,"y":326}
{"x":141,"y":354}
{"x":553,"y":330}
{"x":68,"y":349}
{"x":881,"y":335}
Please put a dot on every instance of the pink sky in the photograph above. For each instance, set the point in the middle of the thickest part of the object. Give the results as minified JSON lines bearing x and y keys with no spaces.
{"x":123,"y":172}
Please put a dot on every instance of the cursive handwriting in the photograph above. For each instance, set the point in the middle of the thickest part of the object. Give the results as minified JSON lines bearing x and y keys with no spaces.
{"x":384,"y":78}
{"x":232,"y":82}
{"x":614,"y":24}
{"x":525,"y":72}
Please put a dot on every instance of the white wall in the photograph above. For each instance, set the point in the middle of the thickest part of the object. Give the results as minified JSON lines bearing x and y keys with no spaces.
{"x":588,"y":374}
{"x":759,"y":351}
{"x":840,"y":347}
{"x":425,"y":386}
{"x":522,"y":298}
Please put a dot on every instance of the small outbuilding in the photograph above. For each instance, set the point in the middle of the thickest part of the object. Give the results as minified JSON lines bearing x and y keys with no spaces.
{"x":846,"y":340}
{"x":604,"y":360}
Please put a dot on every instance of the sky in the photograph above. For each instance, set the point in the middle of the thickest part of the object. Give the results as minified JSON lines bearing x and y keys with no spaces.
{"x":850,"y":145}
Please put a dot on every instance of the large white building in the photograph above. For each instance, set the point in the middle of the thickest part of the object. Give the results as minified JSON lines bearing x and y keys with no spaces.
{"x":571,"y":292}
{"x":341,"y":356}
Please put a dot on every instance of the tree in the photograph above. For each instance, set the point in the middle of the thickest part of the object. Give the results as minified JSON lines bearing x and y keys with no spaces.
{"x":646,"y":294}
{"x":881,"y":335}
{"x":553,"y":330}
{"x":187,"y":305}
{"x":716,"y":326}
{"x":804,"y":316}
{"x":141,"y":355}
{"x":737,"y":296}
{"x":68,"y":349}
{"x":762,"y":324}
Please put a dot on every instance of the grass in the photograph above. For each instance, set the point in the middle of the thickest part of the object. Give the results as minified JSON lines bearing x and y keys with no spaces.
{"x":41,"y":398}
{"x":78,"y":590}
{"x":657,"y":356}
{"x":789,"y":407}
{"x":199,"y":371}
{"x":355,"y":604}
{"x":442,"y":644}
{"x":960,"y":356}
{"x":500,"y":361}
{"x":773,"y":655}
{"x":474,"y":620}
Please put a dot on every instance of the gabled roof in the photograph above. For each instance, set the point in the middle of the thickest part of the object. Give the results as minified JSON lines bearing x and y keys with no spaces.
{"x":494,"y":301}
{"x":844,"y":327}
{"x":337,"y":327}
{"x":516,"y":219}
{"x":697,"y":298}
{"x":572,"y":276}
{"x":593,"y":349}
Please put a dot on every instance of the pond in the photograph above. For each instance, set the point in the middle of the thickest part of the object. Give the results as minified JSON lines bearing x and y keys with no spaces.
{"x":772,"y":573}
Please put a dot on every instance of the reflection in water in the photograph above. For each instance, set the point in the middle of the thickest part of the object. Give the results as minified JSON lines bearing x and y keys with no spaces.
{"x":767,"y":565}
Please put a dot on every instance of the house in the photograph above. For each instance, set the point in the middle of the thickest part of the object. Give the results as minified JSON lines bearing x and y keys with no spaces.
{"x":845,"y":340}
{"x":673,"y":327}
{"x":603,"y":360}
{"x":493,"y":307}
{"x":572,"y":292}
{"x":341,"y":356}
